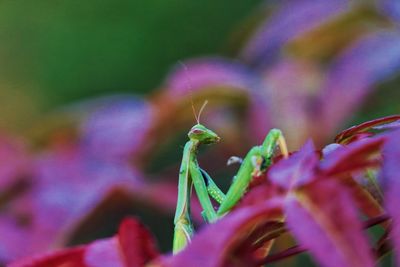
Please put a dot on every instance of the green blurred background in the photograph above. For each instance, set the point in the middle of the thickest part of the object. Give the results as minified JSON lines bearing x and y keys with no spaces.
{"x":54,"y":52}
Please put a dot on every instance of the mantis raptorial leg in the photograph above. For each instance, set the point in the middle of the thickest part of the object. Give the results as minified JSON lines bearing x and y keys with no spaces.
{"x":257,"y":160}
{"x":190,"y":173}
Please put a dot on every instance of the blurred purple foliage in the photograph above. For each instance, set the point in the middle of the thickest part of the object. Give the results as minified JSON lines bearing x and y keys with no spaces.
{"x":47,"y":192}
{"x":126,"y":121}
{"x":292,"y":19}
{"x":391,"y":8}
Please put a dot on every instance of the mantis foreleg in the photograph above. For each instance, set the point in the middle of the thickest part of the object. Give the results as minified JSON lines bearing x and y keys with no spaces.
{"x":254,"y":164}
{"x":183,"y":225}
{"x":212,"y":188}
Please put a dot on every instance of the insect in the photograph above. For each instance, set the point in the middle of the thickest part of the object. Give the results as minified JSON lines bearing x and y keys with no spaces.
{"x":257,"y":160}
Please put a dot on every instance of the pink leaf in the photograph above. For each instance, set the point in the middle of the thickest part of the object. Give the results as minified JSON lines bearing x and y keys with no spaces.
{"x":297,"y":170}
{"x":104,"y":253}
{"x":391,"y":183}
{"x":324,"y":220}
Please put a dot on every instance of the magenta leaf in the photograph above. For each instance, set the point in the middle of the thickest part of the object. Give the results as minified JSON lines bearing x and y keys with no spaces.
{"x":298,"y":170}
{"x":104,"y":253}
{"x":259,"y":194}
{"x":347,"y":160}
{"x":391,"y":183}
{"x":324,"y":220}
{"x":292,"y":19}
{"x":352,"y":157}
{"x":219,"y":244}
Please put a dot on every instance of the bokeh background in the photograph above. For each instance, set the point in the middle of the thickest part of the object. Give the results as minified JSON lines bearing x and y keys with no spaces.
{"x":57,"y":52}
{"x":95,"y":104}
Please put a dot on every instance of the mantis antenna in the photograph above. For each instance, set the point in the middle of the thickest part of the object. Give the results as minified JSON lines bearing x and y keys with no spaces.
{"x":201,"y":110}
{"x":189,"y":85}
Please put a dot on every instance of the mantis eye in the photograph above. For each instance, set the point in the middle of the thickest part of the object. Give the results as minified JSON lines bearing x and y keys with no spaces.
{"x":197,"y":131}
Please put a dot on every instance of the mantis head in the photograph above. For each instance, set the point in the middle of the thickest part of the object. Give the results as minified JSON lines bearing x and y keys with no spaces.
{"x":203,"y":135}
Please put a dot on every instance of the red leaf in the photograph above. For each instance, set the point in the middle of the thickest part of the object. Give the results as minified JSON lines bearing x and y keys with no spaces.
{"x":137,"y":244}
{"x":324,"y":220}
{"x":347,"y":134}
{"x":73,"y":257}
{"x":132,"y":247}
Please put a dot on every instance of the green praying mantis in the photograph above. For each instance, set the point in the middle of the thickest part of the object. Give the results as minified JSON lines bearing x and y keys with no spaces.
{"x":255,"y":163}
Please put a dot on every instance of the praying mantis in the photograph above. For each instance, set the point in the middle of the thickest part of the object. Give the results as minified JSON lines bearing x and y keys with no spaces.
{"x":255,"y":163}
